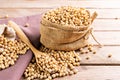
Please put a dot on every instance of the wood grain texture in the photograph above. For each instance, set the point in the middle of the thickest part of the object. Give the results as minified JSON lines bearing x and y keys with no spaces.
{"x":107,"y":38}
{"x":101,"y":56}
{"x":95,"y":73}
{"x":21,"y":12}
{"x":57,"y":3}
{"x":106,"y":25}
{"x":16,"y":12}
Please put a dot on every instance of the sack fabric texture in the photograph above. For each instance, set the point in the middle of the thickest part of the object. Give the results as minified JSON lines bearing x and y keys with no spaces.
{"x":62,"y":37}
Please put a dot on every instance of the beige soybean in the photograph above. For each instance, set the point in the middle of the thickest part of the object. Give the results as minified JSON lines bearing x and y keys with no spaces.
{"x":10,"y":51}
{"x":59,"y":64}
{"x":68,"y":15}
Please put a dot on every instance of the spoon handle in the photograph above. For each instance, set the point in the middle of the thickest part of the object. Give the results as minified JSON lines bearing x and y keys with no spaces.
{"x":21,"y":34}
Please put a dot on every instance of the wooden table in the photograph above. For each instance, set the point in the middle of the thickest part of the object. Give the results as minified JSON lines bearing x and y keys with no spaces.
{"x":106,"y":30}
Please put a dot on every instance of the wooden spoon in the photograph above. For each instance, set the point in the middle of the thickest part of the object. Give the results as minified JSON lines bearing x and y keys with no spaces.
{"x":24,"y":38}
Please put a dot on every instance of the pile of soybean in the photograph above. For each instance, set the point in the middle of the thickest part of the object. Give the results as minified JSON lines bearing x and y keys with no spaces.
{"x":68,"y":15}
{"x":10,"y":51}
{"x":67,"y":60}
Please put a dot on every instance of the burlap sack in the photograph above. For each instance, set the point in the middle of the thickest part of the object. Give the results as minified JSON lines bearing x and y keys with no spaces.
{"x":61,"y":37}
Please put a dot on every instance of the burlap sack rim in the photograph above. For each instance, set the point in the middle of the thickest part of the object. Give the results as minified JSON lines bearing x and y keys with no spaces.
{"x":83,"y":33}
{"x":73,"y":31}
{"x":64,"y":27}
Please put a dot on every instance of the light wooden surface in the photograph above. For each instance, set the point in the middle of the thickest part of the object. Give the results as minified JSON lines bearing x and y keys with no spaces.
{"x":106,"y":30}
